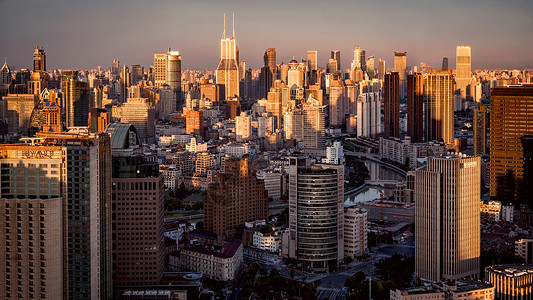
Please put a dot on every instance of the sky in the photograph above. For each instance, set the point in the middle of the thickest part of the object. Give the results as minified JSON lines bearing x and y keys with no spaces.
{"x":80,"y":34}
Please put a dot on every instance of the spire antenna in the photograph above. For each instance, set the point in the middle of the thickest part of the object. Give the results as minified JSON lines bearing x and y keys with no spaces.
{"x":233,"y":25}
{"x":224,"y":34}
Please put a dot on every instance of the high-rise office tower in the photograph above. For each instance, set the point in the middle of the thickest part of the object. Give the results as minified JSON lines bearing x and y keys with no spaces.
{"x":295,"y":76}
{"x":57,"y":198}
{"x":312,"y":60}
{"x":293,"y":124}
{"x":391,"y":104}
{"x":336,"y":55}
{"x":370,"y":68}
{"x":480,"y":130}
{"x":32,"y":261}
{"x":174,"y":75}
{"x":400,"y":66}
{"x":39,"y":60}
{"x":355,"y":231}
{"x":98,"y":119}
{"x":77,"y":102}
{"x":447,"y":219}
{"x":445,"y":64}
{"x":337,"y":103}
{"x":137,"y":186}
{"x":141,"y":113}
{"x":438,"y":99}
{"x":234,"y":197}
{"x":359,"y":60}
{"x":381,"y":69}
{"x":268,"y":71}
{"x":278,"y":99}
{"x":511,"y":120}
{"x":331,"y":66}
{"x":368,"y":114}
{"x":137,"y":74}
{"x":352,"y":92}
{"x":39,"y":78}
{"x":194,"y":122}
{"x":115,"y":69}
{"x":316,"y":213}
{"x":5,"y":79}
{"x":415,"y":107}
{"x":19,"y":108}
{"x":314,"y":125}
{"x":125,"y":82}
{"x":227,"y":72}
{"x":243,"y":126}
{"x":463,"y":70}
{"x":159,"y":73}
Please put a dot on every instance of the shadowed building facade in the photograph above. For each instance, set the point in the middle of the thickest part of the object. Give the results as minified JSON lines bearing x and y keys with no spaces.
{"x":391,"y":104}
{"x":415,"y":107}
{"x":511,"y":120}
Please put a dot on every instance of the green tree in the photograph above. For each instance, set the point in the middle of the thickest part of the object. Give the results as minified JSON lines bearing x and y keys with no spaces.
{"x":253,"y":268}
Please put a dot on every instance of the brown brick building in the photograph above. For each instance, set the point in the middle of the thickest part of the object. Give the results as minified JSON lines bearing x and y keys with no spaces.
{"x":235,"y":197}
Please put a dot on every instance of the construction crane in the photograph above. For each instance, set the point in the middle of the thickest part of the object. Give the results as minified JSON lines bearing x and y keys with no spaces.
{"x":382,"y":197}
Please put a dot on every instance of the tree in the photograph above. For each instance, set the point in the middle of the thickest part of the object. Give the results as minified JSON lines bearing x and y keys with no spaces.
{"x":263,"y":272}
{"x":252,"y":269}
{"x":292,"y":273}
{"x":200,"y":225}
{"x":274,"y":272}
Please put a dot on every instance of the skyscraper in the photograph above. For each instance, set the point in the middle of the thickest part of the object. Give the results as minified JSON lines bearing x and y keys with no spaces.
{"x":77,"y":102}
{"x":464,"y":73}
{"x":141,"y":113}
{"x":447,"y":219}
{"x":194,"y":122}
{"x":400,"y":66}
{"x":316,"y":213}
{"x":438,"y":99}
{"x":370,"y":68}
{"x":234,"y":197}
{"x":312,"y":60}
{"x":337,"y":103}
{"x":445,"y":64}
{"x":314,"y":126}
{"x":511,"y":121}
{"x":39,"y":78}
{"x":65,"y":185}
{"x":137,"y":74}
{"x":368,"y":114}
{"x":381,"y":69}
{"x":480,"y":130}
{"x":227,"y":72}
{"x":159,"y":73}
{"x":391,"y":104}
{"x":137,"y":186}
{"x":336,"y":55}
{"x":268,"y":71}
{"x":415,"y":107}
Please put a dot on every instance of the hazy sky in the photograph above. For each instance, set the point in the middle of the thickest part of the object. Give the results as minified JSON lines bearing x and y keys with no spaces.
{"x":86,"y":34}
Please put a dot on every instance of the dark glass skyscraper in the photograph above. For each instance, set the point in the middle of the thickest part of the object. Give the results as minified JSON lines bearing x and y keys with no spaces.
{"x":391,"y":104}
{"x":415,"y":107}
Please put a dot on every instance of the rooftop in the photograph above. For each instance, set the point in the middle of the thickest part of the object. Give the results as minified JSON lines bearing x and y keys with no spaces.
{"x":512,"y":271}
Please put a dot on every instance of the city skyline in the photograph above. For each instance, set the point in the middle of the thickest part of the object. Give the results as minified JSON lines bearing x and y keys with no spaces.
{"x":195,"y":29}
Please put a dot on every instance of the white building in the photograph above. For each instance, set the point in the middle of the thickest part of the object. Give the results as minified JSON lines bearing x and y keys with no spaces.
{"x":237,"y":149}
{"x":368,"y":114}
{"x":274,"y":183}
{"x":243,"y":126}
{"x":355,"y":232}
{"x":194,"y":147}
{"x":269,"y":242}
{"x":335,"y":154}
{"x":524,"y":249}
{"x":217,"y":262}
{"x":170,"y":176}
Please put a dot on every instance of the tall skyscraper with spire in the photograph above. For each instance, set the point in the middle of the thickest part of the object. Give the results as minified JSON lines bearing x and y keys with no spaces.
{"x":227,"y":72}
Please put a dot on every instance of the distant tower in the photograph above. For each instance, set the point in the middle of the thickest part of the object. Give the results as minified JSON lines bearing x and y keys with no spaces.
{"x":39,"y":60}
{"x":312,"y":59}
{"x":439,"y":106}
{"x":480,"y":133}
{"x":268,"y":72}
{"x":415,"y":107}
{"x":336,"y":55}
{"x":400,"y":66}
{"x":370,"y":68}
{"x":445,"y":64}
{"x":227,"y":72}
{"x":391,"y":104}
{"x":463,"y":70}
{"x":381,"y":69}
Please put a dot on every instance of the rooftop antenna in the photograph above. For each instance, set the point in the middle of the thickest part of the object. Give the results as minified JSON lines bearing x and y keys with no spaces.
{"x":233,"y":25}
{"x":224,"y":35}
